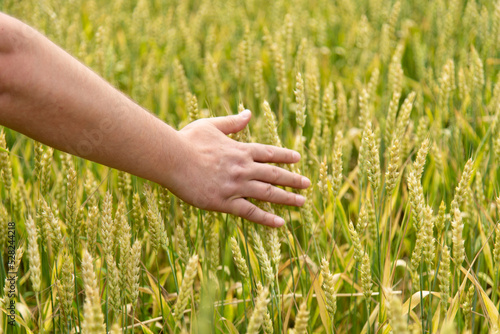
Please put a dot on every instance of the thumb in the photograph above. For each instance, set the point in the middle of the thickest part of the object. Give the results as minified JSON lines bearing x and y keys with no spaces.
{"x":233,"y":123}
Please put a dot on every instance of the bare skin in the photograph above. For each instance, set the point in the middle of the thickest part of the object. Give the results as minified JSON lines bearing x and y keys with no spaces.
{"x":51,"y":97}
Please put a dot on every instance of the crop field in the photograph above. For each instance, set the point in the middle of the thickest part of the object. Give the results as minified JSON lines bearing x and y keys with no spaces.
{"x":394,"y":107}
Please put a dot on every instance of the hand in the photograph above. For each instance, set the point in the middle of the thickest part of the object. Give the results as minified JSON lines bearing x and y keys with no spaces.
{"x":214,"y":172}
{"x":51,"y":97}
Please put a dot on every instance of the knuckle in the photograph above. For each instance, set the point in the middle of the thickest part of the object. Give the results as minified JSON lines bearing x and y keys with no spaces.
{"x":269,"y":191}
{"x":231,"y":121}
{"x":237,"y":172}
{"x":270,"y":153}
{"x":247,"y":151}
{"x":250,"y":211}
{"x":234,"y":123}
{"x":297,"y":180}
{"x":244,"y":154}
{"x":275,"y":174}
{"x":247,"y":148}
{"x":227,"y":190}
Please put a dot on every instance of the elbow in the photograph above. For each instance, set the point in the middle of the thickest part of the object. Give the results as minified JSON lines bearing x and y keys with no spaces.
{"x":6,"y":49}
{"x":15,"y":38}
{"x":8,"y":34}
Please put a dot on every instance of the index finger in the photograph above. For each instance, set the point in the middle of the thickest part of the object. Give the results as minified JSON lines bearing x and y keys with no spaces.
{"x":273,"y":154}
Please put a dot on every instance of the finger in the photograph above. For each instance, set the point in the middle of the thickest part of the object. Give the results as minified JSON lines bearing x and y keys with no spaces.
{"x":246,"y":210}
{"x":279,"y":176}
{"x":269,"y":193}
{"x":268,"y":153}
{"x":233,"y":123}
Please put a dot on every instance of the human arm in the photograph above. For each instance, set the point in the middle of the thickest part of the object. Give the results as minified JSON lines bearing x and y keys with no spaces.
{"x":48,"y":95}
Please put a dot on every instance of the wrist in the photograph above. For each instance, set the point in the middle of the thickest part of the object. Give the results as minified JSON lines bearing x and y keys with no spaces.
{"x":168,"y":159}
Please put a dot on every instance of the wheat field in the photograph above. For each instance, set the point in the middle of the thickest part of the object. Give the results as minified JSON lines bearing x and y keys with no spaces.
{"x":394,"y":107}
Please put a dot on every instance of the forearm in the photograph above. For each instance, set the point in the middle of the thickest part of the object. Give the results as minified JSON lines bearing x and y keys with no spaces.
{"x":48,"y":95}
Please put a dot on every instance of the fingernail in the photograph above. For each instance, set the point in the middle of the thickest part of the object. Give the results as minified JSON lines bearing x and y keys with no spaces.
{"x":278,"y":221}
{"x":306,"y":182}
{"x":296,"y":156}
{"x":300,"y":200}
{"x":245,"y":114}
